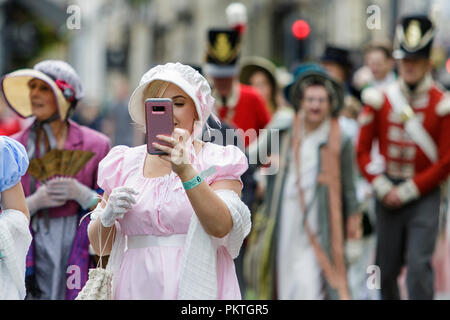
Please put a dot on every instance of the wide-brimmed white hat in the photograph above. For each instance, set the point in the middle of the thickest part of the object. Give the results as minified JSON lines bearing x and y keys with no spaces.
{"x":60,"y":76}
{"x":186,"y":78}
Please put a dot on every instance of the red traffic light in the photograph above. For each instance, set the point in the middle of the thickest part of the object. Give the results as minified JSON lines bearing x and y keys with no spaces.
{"x":447,"y":65}
{"x":301,"y":29}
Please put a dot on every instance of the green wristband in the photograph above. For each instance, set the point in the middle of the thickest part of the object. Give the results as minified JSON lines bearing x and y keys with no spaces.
{"x":195,"y":181}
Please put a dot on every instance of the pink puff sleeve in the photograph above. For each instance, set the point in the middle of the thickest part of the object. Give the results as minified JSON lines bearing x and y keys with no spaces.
{"x":229,"y":162}
{"x":110,"y":169}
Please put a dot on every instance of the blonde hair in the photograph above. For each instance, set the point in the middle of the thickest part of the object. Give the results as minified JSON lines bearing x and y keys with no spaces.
{"x":154,"y":89}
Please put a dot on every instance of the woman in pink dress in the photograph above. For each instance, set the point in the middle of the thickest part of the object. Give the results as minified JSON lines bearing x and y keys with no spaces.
{"x":172,"y":224}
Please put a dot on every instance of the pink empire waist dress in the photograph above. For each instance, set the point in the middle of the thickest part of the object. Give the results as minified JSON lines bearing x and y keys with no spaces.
{"x":162,"y":209}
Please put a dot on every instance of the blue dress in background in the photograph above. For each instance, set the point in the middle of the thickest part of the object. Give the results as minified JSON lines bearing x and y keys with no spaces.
{"x":13,"y":162}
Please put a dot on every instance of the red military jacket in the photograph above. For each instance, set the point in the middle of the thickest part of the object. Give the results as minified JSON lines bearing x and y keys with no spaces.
{"x":404,"y":159}
{"x":246,"y":110}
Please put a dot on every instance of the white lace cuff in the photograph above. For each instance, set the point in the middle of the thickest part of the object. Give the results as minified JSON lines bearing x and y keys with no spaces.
{"x":408,"y":191}
{"x":382,"y":186}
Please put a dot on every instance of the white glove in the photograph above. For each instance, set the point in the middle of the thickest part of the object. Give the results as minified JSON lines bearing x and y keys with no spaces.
{"x":63,"y":189}
{"x":119,"y":202}
{"x":41,"y":199}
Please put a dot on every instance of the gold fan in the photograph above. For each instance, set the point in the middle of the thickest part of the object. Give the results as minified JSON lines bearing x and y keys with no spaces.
{"x":59,"y":163}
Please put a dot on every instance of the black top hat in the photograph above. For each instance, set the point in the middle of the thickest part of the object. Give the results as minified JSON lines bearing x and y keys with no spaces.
{"x":413,"y":37}
{"x":222,"y":53}
{"x":337,"y":55}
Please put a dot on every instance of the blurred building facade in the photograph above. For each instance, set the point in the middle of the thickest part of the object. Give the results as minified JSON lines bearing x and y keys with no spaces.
{"x":128,"y":36}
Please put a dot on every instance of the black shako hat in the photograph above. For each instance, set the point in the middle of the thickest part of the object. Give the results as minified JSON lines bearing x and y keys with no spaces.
{"x":223,"y":49}
{"x":413,"y":37}
{"x":337,"y":55}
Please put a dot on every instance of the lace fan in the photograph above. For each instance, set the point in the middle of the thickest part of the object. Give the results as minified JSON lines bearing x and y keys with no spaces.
{"x":56,"y":162}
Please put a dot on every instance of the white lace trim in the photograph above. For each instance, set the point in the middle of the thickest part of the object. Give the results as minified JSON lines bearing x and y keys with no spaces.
{"x":15,"y":239}
{"x":198,"y":279}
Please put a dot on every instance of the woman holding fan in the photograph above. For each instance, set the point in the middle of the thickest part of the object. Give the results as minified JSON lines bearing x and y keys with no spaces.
{"x":56,"y":194}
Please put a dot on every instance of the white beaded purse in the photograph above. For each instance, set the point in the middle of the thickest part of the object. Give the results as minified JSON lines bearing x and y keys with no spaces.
{"x":99,"y":283}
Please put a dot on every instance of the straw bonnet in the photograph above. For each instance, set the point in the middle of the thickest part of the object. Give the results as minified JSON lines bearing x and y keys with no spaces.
{"x":59,"y":75}
{"x":251,"y":65}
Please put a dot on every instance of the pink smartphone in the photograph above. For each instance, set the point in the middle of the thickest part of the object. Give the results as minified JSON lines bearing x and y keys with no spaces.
{"x":158,"y":120}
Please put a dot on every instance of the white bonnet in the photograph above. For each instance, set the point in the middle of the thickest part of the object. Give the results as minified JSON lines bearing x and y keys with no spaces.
{"x":186,"y":78}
